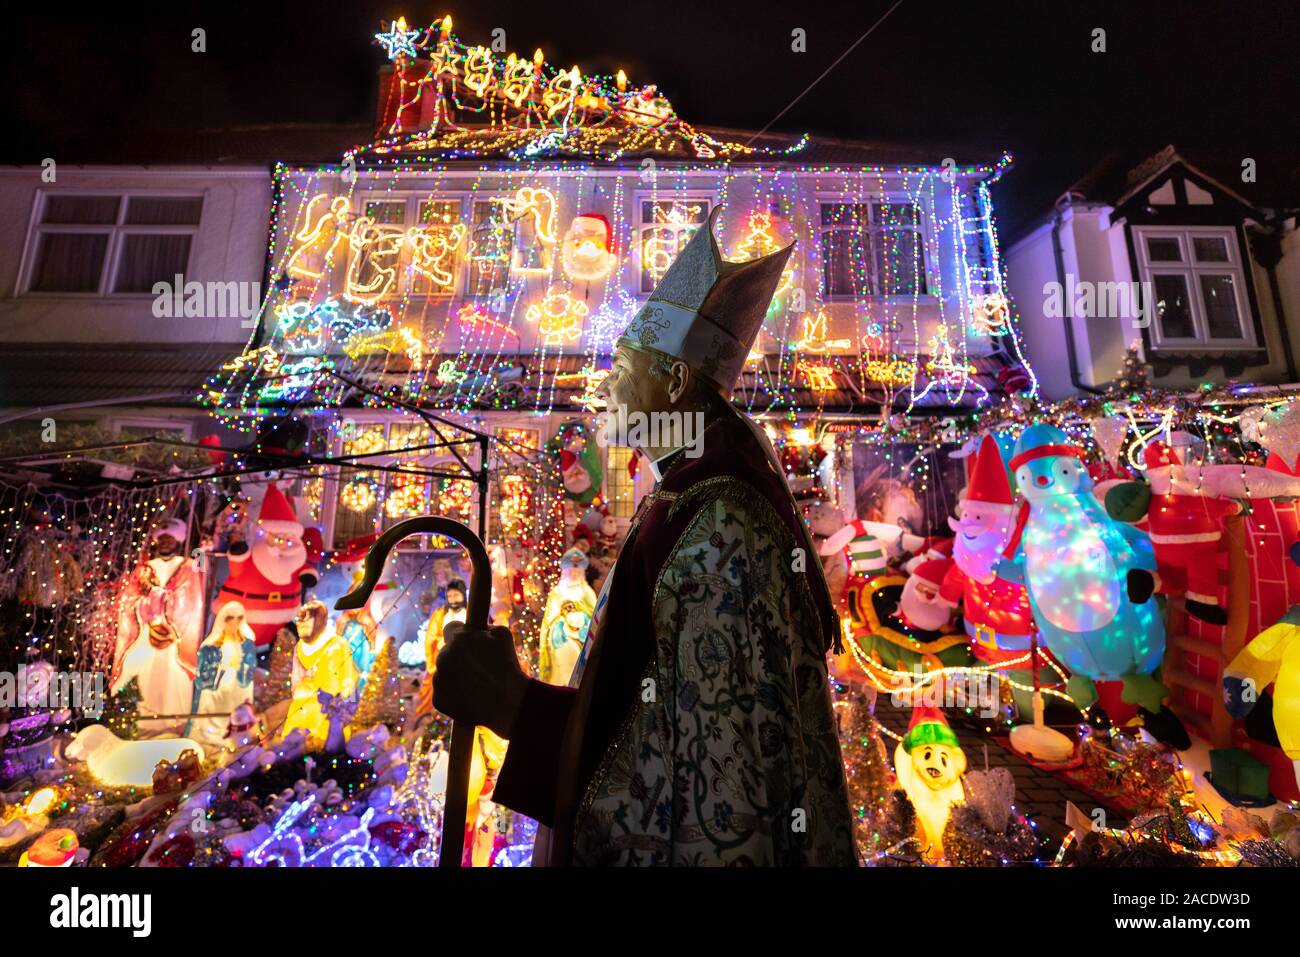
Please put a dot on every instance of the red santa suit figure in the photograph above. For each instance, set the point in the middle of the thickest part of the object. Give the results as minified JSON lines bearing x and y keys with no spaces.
{"x":934,"y":548}
{"x":996,"y":612}
{"x":922,"y":606}
{"x":1186,"y":532}
{"x":164,"y":593}
{"x":269,"y":572}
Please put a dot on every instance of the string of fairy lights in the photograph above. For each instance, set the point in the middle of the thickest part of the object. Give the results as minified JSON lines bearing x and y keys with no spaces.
{"x":489,"y":291}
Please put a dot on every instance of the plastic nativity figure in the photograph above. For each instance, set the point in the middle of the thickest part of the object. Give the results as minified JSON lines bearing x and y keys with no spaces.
{"x":225,"y":676}
{"x":571,"y":602}
{"x":321,"y":662}
{"x":166,"y":684}
{"x":453,"y":611}
{"x":165,"y":590}
{"x":359,"y":627}
{"x":696,"y":727}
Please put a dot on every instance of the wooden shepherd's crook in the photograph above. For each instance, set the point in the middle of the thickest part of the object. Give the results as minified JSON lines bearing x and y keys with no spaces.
{"x":476,"y":619}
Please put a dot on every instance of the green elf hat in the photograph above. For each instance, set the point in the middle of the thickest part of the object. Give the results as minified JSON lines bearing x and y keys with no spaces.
{"x":929,"y":726}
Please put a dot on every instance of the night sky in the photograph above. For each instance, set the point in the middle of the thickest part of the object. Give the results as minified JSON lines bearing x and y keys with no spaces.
{"x":1013,"y":75}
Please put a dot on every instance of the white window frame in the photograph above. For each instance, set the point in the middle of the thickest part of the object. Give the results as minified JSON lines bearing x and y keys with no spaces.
{"x":660,"y":196}
{"x":1191,"y":271}
{"x":607,"y":485}
{"x":402,"y":289}
{"x":924,"y":233}
{"x":116,"y":231}
{"x":184,"y":426}
{"x":466,"y":279}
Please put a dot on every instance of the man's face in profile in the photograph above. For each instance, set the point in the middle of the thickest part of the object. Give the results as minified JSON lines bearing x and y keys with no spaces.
{"x":631,"y":388}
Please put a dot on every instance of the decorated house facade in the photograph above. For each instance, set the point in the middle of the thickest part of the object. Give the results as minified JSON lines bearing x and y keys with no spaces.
{"x":480,"y":256}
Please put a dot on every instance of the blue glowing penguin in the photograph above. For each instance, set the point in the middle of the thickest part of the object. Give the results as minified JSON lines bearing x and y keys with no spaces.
{"x":1089,"y":577}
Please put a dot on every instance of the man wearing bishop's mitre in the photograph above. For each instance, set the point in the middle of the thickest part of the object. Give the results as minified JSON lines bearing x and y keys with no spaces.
{"x":697,"y":727}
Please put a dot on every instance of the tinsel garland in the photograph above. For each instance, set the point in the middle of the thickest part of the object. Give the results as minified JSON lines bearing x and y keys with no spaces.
{"x":968,"y":841}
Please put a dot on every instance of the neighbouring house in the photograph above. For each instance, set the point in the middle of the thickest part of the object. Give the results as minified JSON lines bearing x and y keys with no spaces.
{"x":1197,"y":258}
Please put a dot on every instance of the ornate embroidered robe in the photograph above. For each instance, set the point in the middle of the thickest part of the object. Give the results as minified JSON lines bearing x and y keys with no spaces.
{"x":699,"y":728}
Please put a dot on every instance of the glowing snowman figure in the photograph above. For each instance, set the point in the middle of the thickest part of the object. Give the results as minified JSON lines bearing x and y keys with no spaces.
{"x":1089,"y":576}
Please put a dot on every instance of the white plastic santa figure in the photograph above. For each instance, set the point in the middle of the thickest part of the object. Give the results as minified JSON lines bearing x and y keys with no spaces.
{"x":166,"y":589}
{"x":269,"y":572}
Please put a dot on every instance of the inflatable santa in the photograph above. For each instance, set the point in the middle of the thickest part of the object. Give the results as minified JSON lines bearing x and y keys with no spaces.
{"x":269,"y":572}
{"x":995,"y":611}
{"x":1187,"y":534}
{"x":922,"y":604}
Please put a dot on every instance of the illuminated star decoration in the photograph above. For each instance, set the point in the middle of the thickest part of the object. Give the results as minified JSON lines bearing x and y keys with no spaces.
{"x":398,"y":41}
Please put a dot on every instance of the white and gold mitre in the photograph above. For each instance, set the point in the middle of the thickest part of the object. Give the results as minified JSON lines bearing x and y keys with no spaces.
{"x":707,"y":311}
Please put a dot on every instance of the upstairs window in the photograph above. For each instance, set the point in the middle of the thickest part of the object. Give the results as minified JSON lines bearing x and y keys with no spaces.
{"x":1197,"y":287}
{"x":491,"y":248}
{"x":665,"y":228}
{"x":111,"y":244}
{"x":872,"y":249}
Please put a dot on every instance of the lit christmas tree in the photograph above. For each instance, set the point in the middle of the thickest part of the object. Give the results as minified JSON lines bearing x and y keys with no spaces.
{"x":867,"y":770}
{"x":381,"y":701}
{"x":1134,"y":378}
{"x":122,"y":710}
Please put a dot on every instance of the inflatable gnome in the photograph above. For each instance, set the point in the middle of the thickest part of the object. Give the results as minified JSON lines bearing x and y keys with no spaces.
{"x":1090,"y":577}
{"x":268,"y":573}
{"x":930,"y":763}
{"x":565,"y":620}
{"x":225,"y":676}
{"x":322,"y":662}
{"x":166,"y":591}
{"x":996,"y":611}
{"x":1271,"y":657}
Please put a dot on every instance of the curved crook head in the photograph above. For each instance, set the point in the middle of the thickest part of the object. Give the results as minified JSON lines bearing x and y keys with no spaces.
{"x":480,"y":582}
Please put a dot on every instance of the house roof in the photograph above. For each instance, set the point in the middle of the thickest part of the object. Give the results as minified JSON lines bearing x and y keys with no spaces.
{"x":312,"y":144}
{"x":1276,"y":183}
{"x":56,"y":374}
